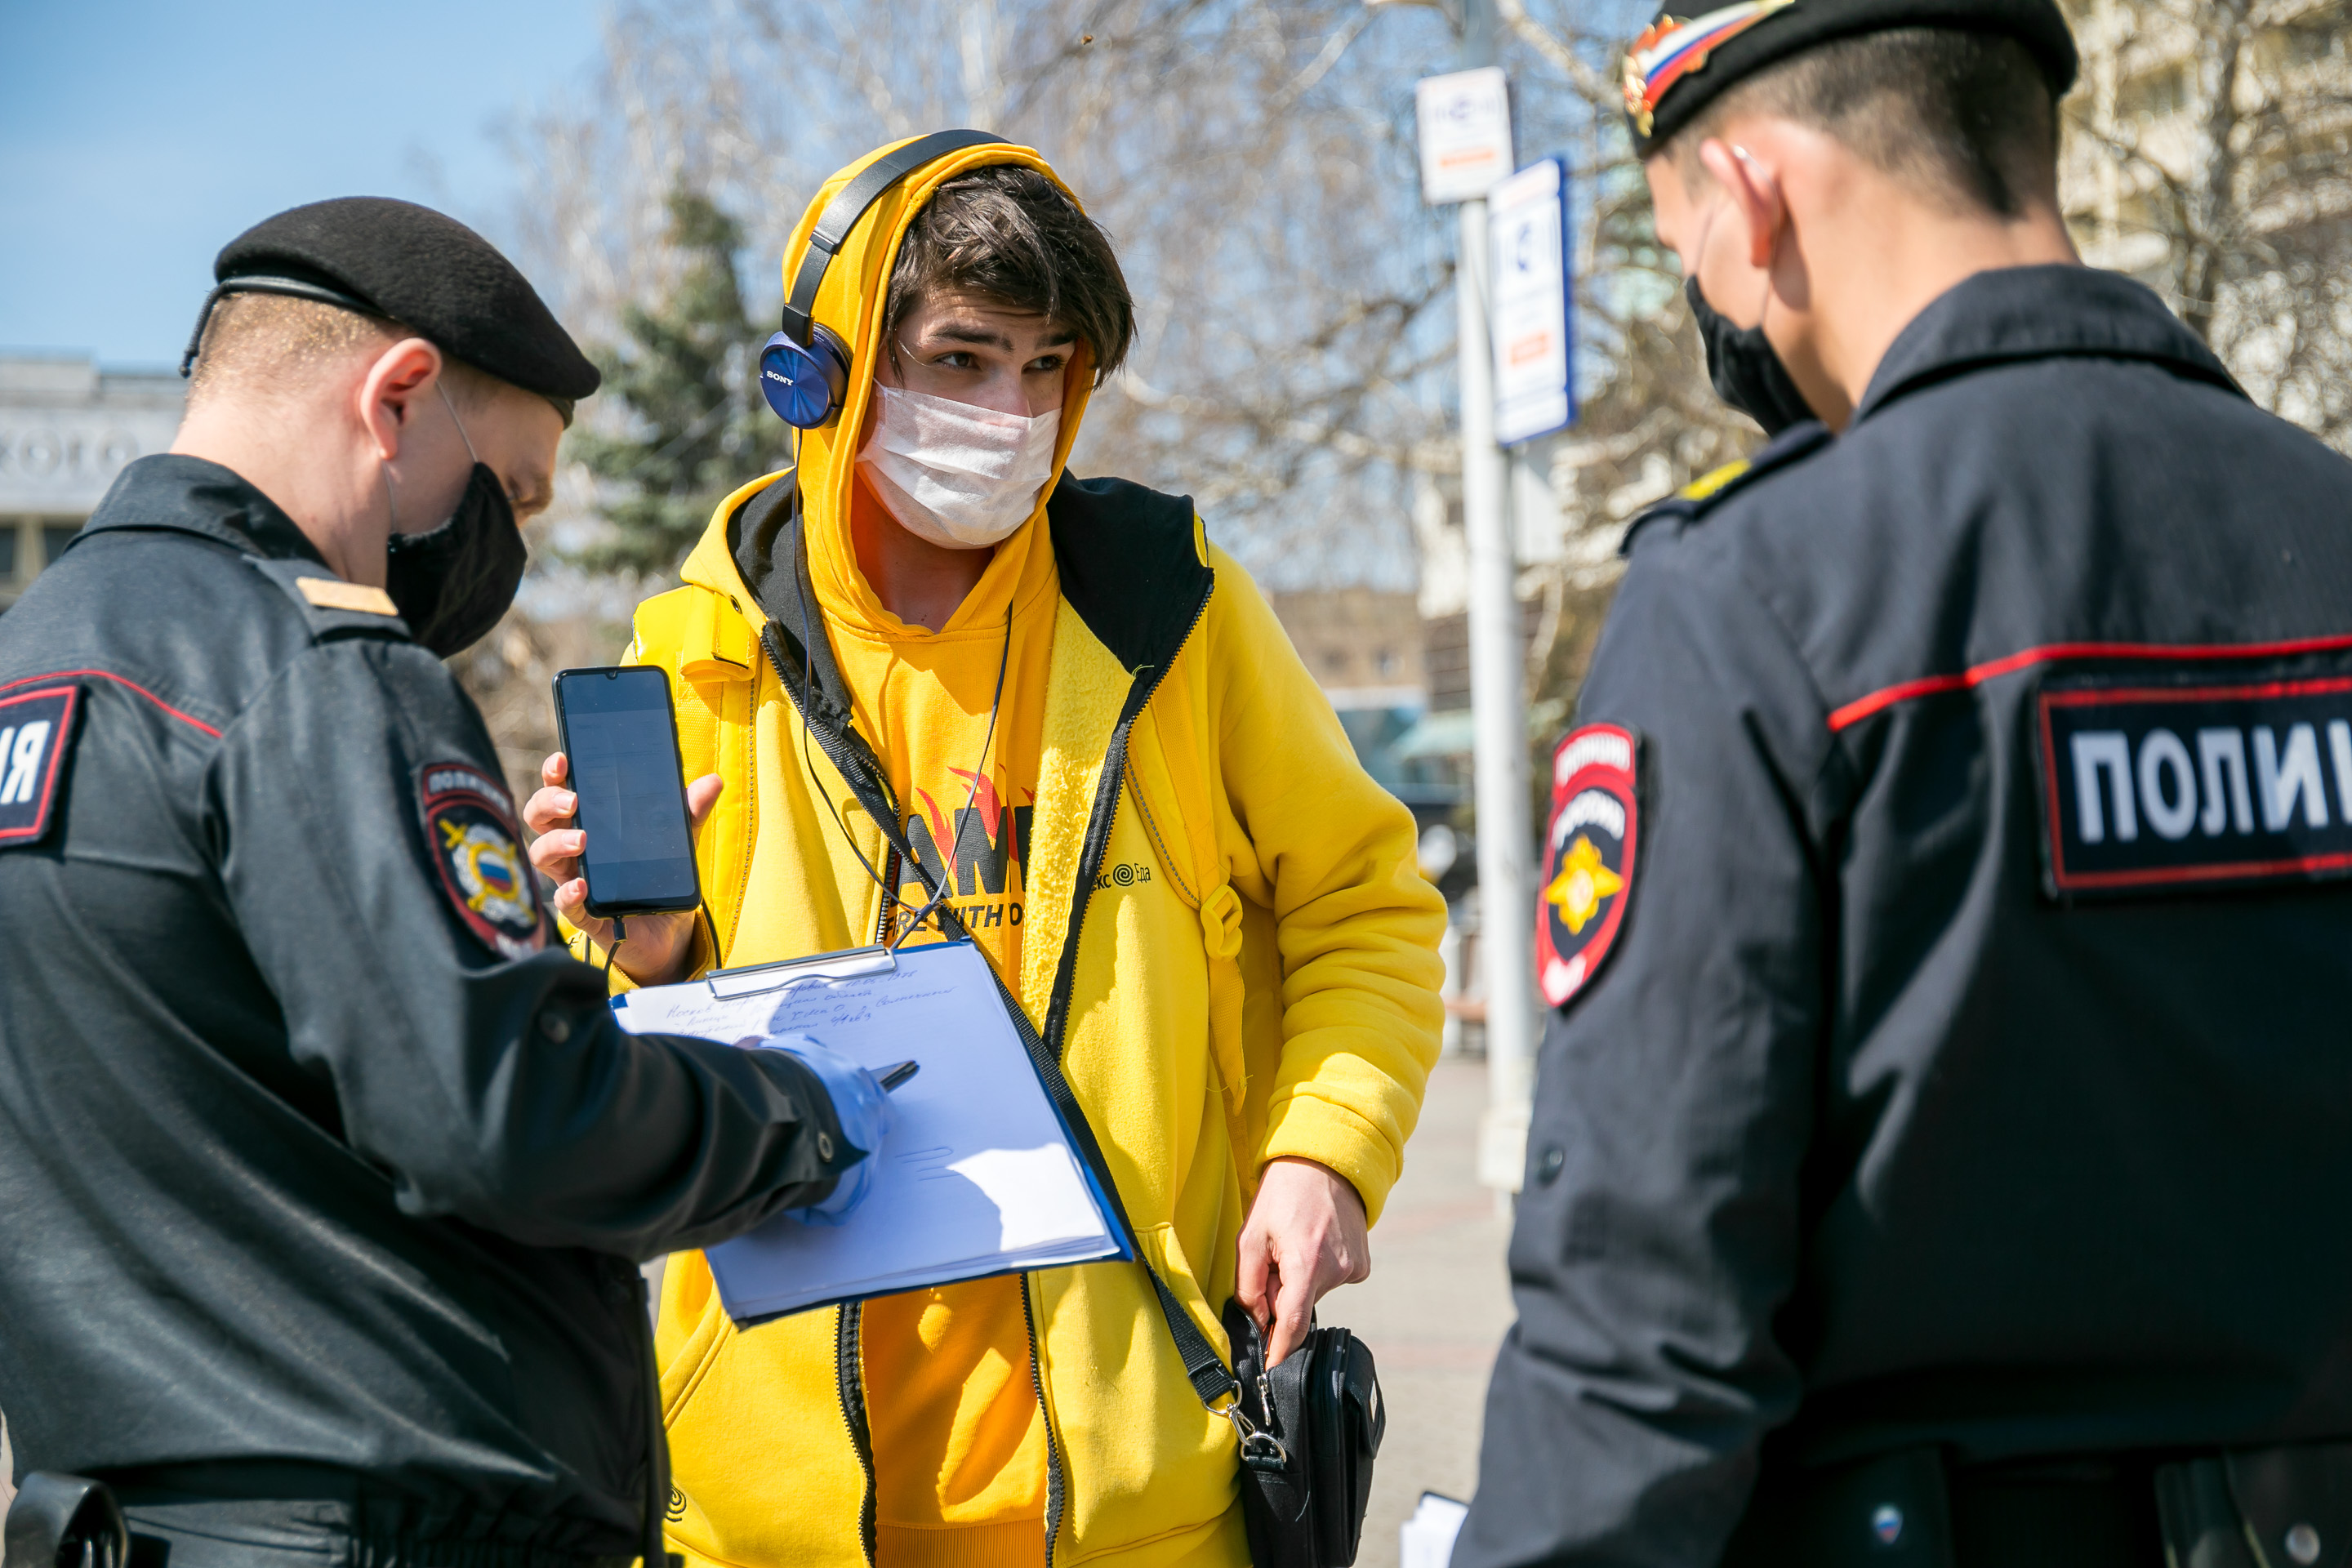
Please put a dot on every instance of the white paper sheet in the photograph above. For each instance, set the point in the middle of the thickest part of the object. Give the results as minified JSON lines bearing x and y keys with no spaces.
{"x":1426,"y":1540}
{"x":977,"y":1176}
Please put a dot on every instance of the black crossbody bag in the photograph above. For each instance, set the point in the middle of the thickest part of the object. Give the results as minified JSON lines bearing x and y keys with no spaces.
{"x":1310,"y":1427}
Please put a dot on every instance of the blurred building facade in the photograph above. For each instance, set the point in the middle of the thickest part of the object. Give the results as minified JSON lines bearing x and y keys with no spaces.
{"x":1362,"y":646}
{"x":2209,"y":154}
{"x":1366,"y":648}
{"x":67,"y":429}
{"x":2176,"y":95}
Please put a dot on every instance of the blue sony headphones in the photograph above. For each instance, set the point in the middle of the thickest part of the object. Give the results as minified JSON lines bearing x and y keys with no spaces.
{"x":805,"y":369}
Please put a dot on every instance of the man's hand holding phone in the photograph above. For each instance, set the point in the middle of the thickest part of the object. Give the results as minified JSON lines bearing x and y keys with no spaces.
{"x":659,"y":945}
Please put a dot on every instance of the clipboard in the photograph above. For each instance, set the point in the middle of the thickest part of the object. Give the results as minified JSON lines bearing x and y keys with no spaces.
{"x":756,"y":979}
{"x":983,"y":1171}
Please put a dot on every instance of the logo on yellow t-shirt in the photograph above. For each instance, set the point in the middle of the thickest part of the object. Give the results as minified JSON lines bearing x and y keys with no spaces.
{"x":975,"y":850}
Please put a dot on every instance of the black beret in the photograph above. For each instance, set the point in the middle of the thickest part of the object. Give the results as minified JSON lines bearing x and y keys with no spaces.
{"x":419,"y":267}
{"x":1680,"y":66}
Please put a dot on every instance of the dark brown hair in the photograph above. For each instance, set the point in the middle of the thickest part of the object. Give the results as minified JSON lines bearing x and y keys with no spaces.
{"x":1008,"y":232}
{"x":1966,"y":115}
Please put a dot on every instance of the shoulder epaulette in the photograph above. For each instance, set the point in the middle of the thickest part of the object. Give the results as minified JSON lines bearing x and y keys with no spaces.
{"x":1696,"y":498}
{"x":328,"y":604}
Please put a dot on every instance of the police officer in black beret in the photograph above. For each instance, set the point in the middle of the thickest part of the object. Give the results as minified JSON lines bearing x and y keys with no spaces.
{"x":1940,"y":1148}
{"x":323,"y":1171}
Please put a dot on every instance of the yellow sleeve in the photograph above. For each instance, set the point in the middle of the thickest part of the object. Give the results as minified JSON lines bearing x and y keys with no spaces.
{"x":1309,"y":836}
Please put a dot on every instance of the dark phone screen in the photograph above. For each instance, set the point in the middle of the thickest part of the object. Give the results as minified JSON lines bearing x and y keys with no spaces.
{"x":625,"y":768}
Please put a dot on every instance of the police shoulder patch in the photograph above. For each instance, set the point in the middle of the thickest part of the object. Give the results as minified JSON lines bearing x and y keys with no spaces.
{"x":331,"y":606}
{"x":470,"y":829}
{"x":334,"y":594}
{"x":36,"y":731}
{"x":1590,"y":849}
{"x":1798,"y":441}
{"x":1715,"y":480}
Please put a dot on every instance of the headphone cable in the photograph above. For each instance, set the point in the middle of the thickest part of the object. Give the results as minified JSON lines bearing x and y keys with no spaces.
{"x":620,"y":935}
{"x":808,"y":687}
{"x":955,"y":838}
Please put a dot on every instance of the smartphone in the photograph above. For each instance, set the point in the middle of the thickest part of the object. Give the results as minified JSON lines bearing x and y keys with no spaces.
{"x":620,"y":736}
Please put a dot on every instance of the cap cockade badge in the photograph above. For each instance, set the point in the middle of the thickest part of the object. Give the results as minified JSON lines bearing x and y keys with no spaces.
{"x":1674,"y":46}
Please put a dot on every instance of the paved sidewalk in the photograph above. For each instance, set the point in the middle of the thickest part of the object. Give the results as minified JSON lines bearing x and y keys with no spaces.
{"x":1433,"y":1312}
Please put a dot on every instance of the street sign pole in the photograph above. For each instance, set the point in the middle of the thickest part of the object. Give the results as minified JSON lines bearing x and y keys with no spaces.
{"x":1499,"y":716}
{"x":1464,"y":121}
{"x":1533,"y":394}
{"x":1497,"y":684}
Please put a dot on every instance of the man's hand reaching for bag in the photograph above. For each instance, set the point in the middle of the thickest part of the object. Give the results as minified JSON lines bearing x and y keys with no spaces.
{"x":1305,"y":1237}
{"x":658,"y":946}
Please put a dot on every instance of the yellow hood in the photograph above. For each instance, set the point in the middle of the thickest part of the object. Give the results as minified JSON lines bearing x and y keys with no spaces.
{"x":849,"y":303}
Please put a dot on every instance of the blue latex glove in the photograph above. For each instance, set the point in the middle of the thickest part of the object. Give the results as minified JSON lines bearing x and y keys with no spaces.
{"x":863,"y":1107}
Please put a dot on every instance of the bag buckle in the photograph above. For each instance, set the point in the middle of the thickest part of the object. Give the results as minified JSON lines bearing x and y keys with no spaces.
{"x":1261,"y":1449}
{"x":1264,"y":1451}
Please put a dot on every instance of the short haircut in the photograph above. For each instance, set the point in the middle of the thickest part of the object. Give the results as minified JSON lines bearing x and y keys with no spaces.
{"x":1964,"y":116}
{"x":263,"y":342}
{"x":1008,"y":232}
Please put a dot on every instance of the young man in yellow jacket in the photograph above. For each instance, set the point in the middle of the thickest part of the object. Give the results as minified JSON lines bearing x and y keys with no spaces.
{"x":925,"y":657}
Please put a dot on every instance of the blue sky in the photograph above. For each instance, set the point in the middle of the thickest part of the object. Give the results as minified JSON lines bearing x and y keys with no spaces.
{"x":137,"y":137}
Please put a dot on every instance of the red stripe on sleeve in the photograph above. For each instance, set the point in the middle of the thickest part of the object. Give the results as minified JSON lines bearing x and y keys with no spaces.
{"x":1886,"y":697}
{"x":108,"y":675}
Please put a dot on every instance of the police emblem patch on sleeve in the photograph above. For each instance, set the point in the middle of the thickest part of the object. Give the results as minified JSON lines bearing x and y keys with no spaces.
{"x":35,"y":728}
{"x":469,"y":824}
{"x":1589,"y":850}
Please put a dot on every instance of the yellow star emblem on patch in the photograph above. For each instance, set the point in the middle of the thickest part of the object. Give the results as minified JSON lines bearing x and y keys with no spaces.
{"x":1583,"y":881}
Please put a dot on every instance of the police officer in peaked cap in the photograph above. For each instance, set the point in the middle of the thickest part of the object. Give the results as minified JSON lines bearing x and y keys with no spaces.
{"x":1940,"y":1143}
{"x":323,"y":1172}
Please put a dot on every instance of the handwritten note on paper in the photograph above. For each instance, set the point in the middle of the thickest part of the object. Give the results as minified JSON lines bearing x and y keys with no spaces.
{"x":976,"y":1177}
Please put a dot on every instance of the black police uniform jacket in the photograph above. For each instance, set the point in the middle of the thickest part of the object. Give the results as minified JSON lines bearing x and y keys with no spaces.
{"x":1972,"y":1062}
{"x":320,"y":1167}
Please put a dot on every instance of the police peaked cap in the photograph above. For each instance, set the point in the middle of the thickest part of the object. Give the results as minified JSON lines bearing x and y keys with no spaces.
{"x":421,"y":269}
{"x":1683,"y":64}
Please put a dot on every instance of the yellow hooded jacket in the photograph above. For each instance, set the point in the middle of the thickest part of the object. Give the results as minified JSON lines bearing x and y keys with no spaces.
{"x":1266,"y":984}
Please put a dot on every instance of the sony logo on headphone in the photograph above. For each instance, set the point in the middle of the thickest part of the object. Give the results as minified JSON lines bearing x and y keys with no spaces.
{"x":771,"y":375}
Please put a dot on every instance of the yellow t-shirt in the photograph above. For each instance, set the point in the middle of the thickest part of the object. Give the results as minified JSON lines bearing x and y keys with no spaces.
{"x":958,"y":1435}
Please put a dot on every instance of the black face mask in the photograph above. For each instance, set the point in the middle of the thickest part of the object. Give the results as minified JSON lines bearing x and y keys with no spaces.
{"x":1747,"y":373}
{"x":453,"y":582}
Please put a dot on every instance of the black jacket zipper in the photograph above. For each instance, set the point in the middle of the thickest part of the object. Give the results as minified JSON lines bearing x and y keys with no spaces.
{"x":882,"y":921}
{"x":1099,"y":820}
{"x":1055,"y":1485}
{"x":850,"y":1385}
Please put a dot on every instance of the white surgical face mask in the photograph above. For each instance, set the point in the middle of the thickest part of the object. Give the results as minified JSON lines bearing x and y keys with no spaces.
{"x":960,"y":476}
